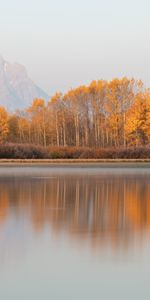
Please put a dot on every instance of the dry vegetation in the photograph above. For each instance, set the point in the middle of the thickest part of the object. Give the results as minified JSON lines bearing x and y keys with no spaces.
{"x":26,"y":151}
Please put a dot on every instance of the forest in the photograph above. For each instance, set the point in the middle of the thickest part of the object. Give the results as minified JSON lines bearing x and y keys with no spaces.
{"x":106,"y":117}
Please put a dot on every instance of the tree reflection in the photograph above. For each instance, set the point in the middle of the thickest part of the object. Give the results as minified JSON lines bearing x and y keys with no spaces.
{"x":96,"y":209}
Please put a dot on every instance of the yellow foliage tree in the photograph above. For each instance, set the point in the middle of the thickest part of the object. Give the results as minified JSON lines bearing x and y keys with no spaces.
{"x":138,"y":120}
{"x":3,"y":124}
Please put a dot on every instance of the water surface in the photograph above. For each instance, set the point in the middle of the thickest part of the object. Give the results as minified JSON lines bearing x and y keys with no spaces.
{"x":74,"y":233}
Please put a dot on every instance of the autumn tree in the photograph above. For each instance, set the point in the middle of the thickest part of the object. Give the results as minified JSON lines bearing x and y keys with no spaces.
{"x":120,"y":97}
{"x":13,"y":124}
{"x":4,"y":128}
{"x":37,"y":114}
{"x":102,"y":114}
{"x":138,"y":122}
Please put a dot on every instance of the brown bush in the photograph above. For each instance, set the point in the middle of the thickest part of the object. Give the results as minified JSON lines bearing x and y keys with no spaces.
{"x":98,"y":153}
{"x":21,"y":151}
{"x":25,"y":151}
{"x":64,"y":152}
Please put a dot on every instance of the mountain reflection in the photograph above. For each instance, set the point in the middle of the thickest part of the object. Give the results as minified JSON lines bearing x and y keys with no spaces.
{"x":96,"y":209}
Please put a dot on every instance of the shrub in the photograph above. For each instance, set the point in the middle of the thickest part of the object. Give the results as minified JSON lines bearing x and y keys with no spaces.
{"x":25,"y":151}
{"x":21,"y":151}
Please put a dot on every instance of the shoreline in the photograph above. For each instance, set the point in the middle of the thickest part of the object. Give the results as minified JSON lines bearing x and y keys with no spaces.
{"x":76,"y":163}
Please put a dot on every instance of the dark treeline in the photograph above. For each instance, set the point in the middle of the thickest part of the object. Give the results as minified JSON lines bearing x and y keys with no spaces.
{"x":104,"y":115}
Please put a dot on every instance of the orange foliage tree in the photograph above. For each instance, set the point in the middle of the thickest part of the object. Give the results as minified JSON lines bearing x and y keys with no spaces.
{"x":102,"y":114}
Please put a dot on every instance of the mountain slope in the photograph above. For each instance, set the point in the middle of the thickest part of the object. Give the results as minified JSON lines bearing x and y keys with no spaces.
{"x":17,"y":90}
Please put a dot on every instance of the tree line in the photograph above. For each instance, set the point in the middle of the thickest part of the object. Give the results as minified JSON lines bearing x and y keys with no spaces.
{"x":101,"y":115}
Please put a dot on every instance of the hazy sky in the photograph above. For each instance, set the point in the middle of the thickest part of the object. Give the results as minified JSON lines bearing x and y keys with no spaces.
{"x":64,"y":43}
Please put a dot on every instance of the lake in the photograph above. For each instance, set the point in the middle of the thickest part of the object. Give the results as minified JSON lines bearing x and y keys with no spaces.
{"x":74,"y":233}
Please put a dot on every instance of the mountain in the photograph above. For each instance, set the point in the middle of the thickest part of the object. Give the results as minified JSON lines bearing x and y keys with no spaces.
{"x":17,"y":90}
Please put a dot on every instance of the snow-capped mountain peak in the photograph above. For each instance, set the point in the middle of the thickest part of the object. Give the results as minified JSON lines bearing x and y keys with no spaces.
{"x":17,"y":90}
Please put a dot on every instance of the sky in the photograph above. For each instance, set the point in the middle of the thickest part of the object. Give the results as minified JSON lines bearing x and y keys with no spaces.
{"x":66,"y":43}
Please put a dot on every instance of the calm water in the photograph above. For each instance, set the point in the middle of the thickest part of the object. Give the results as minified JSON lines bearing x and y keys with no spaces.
{"x":74,"y":233}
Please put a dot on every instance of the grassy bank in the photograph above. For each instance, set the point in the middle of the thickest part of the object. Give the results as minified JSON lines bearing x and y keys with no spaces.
{"x":79,"y":164}
{"x":72,"y":161}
